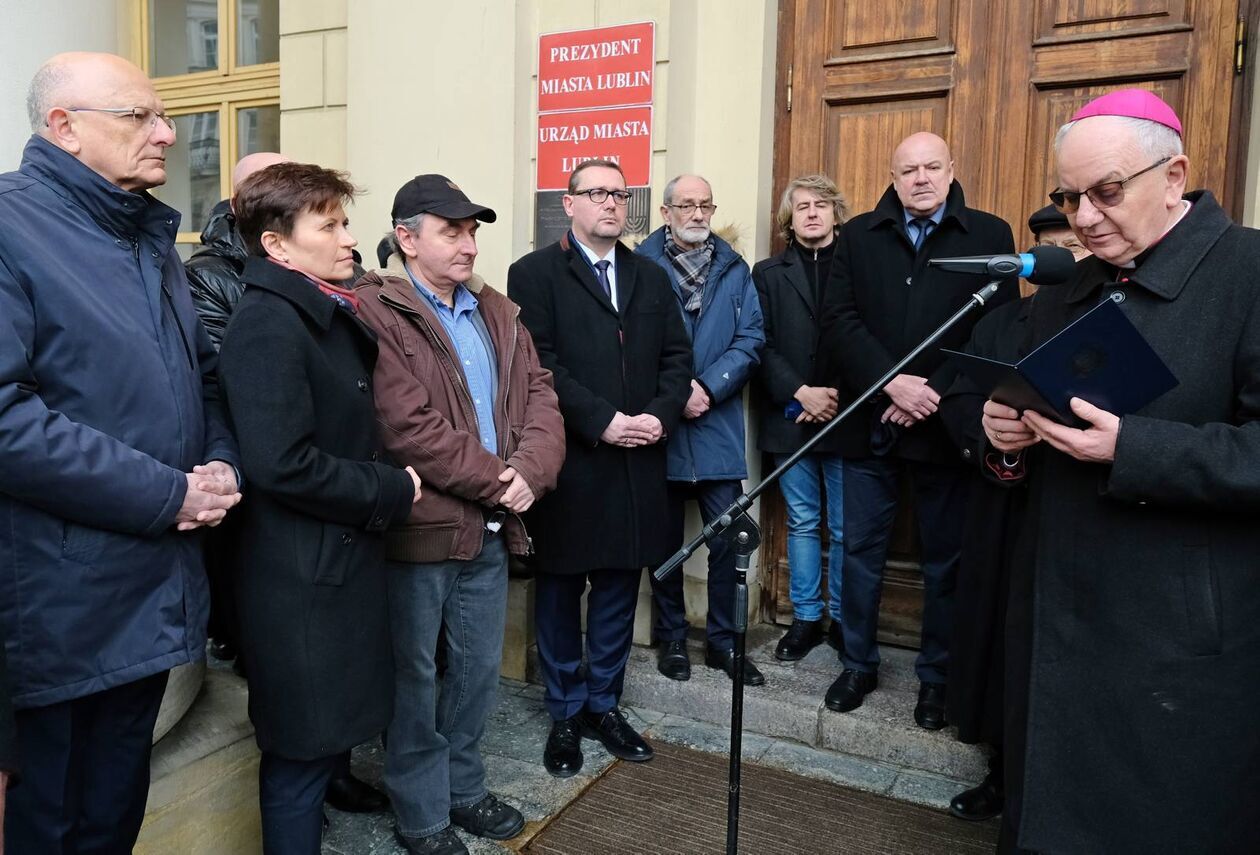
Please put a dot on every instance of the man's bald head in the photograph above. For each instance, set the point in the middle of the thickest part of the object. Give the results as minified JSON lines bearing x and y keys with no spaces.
{"x":103,"y":111}
{"x":251,"y":163}
{"x":80,"y":79}
{"x":922,"y":170}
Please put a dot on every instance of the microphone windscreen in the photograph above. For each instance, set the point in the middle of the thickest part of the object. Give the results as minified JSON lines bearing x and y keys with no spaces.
{"x":1052,"y":265}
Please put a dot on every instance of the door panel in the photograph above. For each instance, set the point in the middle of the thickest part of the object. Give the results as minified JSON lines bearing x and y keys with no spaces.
{"x":996,"y":78}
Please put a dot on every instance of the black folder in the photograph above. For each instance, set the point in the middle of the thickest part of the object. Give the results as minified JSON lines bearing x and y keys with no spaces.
{"x":1100,"y":357}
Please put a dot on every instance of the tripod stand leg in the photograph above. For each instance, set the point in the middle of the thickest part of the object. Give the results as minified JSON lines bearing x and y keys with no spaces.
{"x":744,"y":545}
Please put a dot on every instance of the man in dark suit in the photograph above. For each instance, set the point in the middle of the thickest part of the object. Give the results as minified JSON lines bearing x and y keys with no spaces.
{"x":883,"y":299}
{"x":605,"y":323}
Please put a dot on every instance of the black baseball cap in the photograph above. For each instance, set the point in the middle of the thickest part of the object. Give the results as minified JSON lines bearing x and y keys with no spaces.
{"x":437,"y":194}
{"x":1048,"y":217}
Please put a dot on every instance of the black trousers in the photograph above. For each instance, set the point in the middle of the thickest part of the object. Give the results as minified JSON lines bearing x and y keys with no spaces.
{"x":291,"y":800}
{"x":85,"y":772}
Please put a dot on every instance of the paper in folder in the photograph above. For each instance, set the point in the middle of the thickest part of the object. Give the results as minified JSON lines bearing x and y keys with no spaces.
{"x":1100,"y":357}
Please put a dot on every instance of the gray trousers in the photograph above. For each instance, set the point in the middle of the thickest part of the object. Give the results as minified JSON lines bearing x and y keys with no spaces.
{"x":432,"y":759}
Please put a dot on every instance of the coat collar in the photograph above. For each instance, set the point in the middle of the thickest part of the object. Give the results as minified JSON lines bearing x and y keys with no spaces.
{"x":890,"y":212}
{"x":1170,"y":263}
{"x":395,"y":283}
{"x":653,"y":247}
{"x":117,"y":210}
{"x":294,"y":287}
{"x":582,"y":270}
{"x":794,"y":269}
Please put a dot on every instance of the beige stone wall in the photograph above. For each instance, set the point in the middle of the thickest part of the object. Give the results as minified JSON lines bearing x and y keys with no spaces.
{"x":313,"y":81}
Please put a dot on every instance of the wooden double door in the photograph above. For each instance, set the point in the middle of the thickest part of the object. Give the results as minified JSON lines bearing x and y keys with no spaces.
{"x":995,"y":78}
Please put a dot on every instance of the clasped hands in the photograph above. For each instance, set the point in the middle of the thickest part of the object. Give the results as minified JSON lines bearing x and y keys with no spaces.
{"x":1009,"y":431}
{"x":913,"y":400}
{"x":631,"y":431}
{"x":212,"y":491}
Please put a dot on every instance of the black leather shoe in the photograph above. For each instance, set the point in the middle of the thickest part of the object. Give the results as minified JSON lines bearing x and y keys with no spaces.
{"x":444,"y":842}
{"x":672,"y":660}
{"x":847,"y":692}
{"x":489,"y":818}
{"x":621,"y":740}
{"x":978,"y":803}
{"x":802,"y":636}
{"x":929,"y":712}
{"x":563,"y":754}
{"x":724,"y":660}
{"x":347,"y":793}
{"x":835,"y":637}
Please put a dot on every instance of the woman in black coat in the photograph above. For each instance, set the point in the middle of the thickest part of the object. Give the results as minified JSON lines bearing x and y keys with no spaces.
{"x":296,"y":367}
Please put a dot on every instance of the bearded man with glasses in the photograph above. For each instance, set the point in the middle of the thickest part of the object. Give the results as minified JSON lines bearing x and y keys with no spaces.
{"x":1133,"y":638}
{"x":606,"y":324}
{"x":717,"y":301}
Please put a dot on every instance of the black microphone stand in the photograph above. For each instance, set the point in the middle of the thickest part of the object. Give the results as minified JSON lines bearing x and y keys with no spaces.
{"x":735,"y":525}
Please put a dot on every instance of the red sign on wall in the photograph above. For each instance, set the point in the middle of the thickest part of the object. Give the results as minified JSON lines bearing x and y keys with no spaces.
{"x":622,"y":135}
{"x":603,"y":67}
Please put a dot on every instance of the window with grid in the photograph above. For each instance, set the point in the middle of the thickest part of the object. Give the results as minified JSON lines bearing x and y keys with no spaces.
{"x":216,"y":65}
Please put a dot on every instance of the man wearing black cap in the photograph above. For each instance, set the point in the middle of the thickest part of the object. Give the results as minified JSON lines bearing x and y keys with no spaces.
{"x":463,"y":398}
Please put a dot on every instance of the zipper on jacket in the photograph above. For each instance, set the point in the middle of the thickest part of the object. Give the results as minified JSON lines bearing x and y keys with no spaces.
{"x":507,"y":388}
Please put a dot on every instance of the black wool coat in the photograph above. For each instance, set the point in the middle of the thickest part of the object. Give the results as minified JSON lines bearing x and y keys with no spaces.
{"x":996,"y":498}
{"x":297,"y":371}
{"x":883,"y":299}
{"x":609,"y":508}
{"x":1140,"y":643}
{"x":792,"y":356}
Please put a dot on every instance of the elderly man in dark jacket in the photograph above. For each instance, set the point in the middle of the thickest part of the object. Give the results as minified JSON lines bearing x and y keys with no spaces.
{"x":883,"y":299}
{"x":1134,"y":633}
{"x":706,"y":459}
{"x":606,"y":324}
{"x":112,"y":450}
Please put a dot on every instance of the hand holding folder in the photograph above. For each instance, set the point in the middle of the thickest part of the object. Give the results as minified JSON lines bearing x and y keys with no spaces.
{"x":1100,"y":357}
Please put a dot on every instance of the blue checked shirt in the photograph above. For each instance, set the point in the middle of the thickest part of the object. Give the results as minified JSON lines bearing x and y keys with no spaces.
{"x":474,"y":352}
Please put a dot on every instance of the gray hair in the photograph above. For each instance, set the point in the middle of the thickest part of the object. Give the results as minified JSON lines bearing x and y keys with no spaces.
{"x":668,"y":196}
{"x":45,"y":88}
{"x":411,"y":224}
{"x":821,"y":185}
{"x":1154,"y":139}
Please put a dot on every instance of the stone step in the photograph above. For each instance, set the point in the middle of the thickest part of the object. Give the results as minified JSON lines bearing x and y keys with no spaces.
{"x":790,"y":706}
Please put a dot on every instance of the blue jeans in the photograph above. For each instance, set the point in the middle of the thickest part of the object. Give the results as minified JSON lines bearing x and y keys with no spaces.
{"x":870,"y":508}
{"x":432,"y":759}
{"x":802,"y":488}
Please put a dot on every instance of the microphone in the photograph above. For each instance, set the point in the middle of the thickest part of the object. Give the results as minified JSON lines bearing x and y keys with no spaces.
{"x":1041,"y":265}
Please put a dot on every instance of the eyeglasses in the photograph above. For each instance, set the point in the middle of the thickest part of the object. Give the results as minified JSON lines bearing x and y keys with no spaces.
{"x":688,"y":209}
{"x":141,"y":117}
{"x":1105,"y":195}
{"x":599,"y":195}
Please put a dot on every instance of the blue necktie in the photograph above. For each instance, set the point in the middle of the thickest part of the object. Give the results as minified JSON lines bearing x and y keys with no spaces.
{"x":601,"y":271}
{"x":924,"y":223}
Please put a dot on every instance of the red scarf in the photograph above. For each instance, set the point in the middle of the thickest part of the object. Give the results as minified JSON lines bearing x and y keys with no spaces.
{"x":334,"y":291}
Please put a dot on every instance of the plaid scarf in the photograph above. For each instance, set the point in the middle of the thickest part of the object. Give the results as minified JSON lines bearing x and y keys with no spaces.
{"x":693,"y":268}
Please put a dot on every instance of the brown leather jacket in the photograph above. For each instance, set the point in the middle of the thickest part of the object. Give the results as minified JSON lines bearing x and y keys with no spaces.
{"x":428,"y":419}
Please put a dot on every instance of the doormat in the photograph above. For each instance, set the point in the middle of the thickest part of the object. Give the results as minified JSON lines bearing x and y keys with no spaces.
{"x":676,"y":805}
